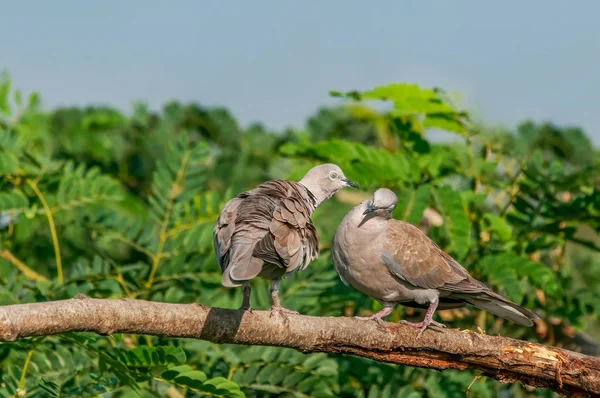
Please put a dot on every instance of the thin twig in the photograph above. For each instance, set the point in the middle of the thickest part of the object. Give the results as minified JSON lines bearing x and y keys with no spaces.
{"x":163,"y":237}
{"x":21,"y":266}
{"x":48,"y":212}
{"x":25,"y":367}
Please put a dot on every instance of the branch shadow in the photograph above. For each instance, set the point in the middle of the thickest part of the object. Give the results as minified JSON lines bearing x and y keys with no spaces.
{"x":221,"y":325}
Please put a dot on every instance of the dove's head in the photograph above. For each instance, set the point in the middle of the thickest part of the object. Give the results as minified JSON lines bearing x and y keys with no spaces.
{"x":382,"y":203}
{"x":325,"y":180}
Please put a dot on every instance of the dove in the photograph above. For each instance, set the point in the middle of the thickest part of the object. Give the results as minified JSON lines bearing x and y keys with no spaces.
{"x":394,"y":262}
{"x":267,"y":232}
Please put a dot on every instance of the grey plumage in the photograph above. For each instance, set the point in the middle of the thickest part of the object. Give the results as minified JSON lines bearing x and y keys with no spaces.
{"x":267,"y":232}
{"x":396,"y":263}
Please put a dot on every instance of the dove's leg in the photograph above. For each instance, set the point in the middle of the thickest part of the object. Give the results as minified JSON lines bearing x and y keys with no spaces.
{"x":428,"y":320}
{"x":246,"y":300}
{"x":276,"y":307}
{"x":378,"y":315}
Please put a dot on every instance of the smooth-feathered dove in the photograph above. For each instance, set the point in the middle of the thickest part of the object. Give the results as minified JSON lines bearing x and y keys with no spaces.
{"x":267,"y":231}
{"x":394,"y":262}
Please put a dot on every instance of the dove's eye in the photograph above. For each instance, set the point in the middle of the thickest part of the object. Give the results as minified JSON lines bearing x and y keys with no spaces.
{"x":333,"y":175}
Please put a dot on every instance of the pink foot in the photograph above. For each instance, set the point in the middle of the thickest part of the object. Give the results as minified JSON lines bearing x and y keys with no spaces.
{"x":276,"y":310}
{"x":376,"y":316}
{"x":423,"y":325}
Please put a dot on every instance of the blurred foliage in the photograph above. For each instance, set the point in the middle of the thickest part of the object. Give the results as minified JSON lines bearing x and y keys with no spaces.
{"x":112,"y":205}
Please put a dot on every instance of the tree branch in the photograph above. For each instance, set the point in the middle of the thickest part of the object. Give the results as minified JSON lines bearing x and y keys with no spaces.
{"x":504,"y":359}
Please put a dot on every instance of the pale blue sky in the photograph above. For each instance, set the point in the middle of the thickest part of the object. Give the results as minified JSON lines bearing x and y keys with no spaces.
{"x":274,"y":61}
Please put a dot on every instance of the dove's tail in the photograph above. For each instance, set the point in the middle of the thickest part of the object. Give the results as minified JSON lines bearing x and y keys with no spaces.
{"x":243,"y":266}
{"x":504,"y":308}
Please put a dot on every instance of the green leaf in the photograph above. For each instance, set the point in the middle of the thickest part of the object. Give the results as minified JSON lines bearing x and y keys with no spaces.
{"x":505,"y":270}
{"x":13,"y":201}
{"x":266,"y":372}
{"x":498,"y":225}
{"x":279,"y":374}
{"x":374,"y":392}
{"x":314,"y":360}
{"x":18,"y":98}
{"x":4,"y":95}
{"x":412,"y":100}
{"x":192,"y":378}
{"x":293,"y":379}
{"x":456,"y":221}
{"x":328,"y":367}
{"x":412,"y":204}
{"x":175,"y":371}
{"x":365,"y":165}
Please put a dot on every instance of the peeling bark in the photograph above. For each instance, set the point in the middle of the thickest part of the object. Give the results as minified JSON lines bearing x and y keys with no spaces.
{"x":501,"y":358}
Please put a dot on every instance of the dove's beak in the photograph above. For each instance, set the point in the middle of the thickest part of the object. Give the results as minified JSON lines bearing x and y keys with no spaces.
{"x":350,"y":183}
{"x":370,"y":208}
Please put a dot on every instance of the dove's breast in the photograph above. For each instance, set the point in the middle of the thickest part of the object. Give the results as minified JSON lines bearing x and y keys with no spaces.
{"x":356,"y":253}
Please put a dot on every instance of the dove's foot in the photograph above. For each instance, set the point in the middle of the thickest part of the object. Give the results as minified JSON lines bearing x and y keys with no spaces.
{"x":277,"y":310}
{"x":423,"y":325}
{"x":376,"y":316}
{"x":276,"y":307}
{"x":246,"y":300}
{"x":428,"y":320}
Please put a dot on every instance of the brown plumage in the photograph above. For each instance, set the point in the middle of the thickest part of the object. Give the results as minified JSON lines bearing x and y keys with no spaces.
{"x":271,"y":224}
{"x":395,"y":262}
{"x":267,"y":231}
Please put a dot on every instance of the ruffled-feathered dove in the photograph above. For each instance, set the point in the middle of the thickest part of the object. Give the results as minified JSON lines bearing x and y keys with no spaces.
{"x":395,"y":263}
{"x":268,"y":232}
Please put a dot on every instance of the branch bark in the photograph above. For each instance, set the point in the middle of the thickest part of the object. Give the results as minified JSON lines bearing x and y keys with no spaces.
{"x":504,"y":359}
